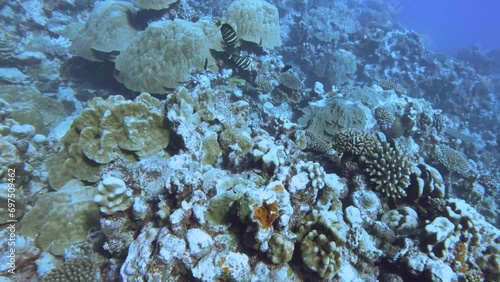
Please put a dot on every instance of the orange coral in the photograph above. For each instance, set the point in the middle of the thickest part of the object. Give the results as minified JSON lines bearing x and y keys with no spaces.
{"x":266,"y":214}
{"x":460,"y":257}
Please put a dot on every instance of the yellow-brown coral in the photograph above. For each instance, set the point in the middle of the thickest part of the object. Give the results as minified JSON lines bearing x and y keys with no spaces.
{"x":265,"y":214}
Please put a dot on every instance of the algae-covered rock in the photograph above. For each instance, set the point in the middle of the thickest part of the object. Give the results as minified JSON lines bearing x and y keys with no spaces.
{"x":63,"y":218}
{"x":105,"y":131}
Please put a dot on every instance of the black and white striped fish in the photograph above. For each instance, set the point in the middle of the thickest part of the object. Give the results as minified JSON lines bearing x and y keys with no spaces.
{"x":241,"y":62}
{"x":228,"y":34}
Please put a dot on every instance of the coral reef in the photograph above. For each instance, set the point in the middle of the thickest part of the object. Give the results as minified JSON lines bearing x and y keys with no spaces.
{"x":326,"y":143}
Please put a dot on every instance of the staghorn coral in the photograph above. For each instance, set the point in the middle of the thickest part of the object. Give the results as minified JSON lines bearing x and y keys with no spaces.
{"x":107,"y":29}
{"x":107,"y":130}
{"x":355,"y":142}
{"x":75,"y":270}
{"x":163,"y":55}
{"x":452,"y":159}
{"x":320,"y":238}
{"x":256,"y":21}
{"x":389,"y":169}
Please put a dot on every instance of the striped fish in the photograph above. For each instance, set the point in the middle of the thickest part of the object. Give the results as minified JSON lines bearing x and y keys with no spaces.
{"x":243,"y":63}
{"x":228,"y":34}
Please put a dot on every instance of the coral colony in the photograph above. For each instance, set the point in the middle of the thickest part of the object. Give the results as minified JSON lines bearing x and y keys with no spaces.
{"x":243,"y":140}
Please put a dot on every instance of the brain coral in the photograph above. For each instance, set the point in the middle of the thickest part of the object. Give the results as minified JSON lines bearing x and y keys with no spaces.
{"x":255,"y":21}
{"x":153,"y":4}
{"x":107,"y":29}
{"x":163,"y":55}
{"x":389,"y":169}
{"x":106,"y":130}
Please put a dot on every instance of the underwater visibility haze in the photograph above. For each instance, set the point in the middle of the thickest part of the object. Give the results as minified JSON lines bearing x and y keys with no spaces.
{"x":249,"y":140}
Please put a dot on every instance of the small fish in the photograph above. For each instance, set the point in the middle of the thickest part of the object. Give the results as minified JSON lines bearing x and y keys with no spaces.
{"x":206,"y":64}
{"x":243,"y":63}
{"x":286,"y":68}
{"x":228,"y":34}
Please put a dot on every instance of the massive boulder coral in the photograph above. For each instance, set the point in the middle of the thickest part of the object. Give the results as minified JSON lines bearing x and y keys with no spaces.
{"x":107,"y":29}
{"x":105,"y":131}
{"x":324,"y":121}
{"x":63,"y":218}
{"x":256,"y":21}
{"x":153,"y":4}
{"x":163,"y":55}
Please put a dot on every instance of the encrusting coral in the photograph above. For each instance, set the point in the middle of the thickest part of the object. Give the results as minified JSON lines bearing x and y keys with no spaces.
{"x":63,"y":218}
{"x":76,"y":270}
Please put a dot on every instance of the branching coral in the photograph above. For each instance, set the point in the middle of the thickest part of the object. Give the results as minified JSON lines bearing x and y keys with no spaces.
{"x":320,"y":238}
{"x":389,"y":169}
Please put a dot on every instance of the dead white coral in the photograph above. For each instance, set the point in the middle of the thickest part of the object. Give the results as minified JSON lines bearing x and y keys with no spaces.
{"x":113,"y":196}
